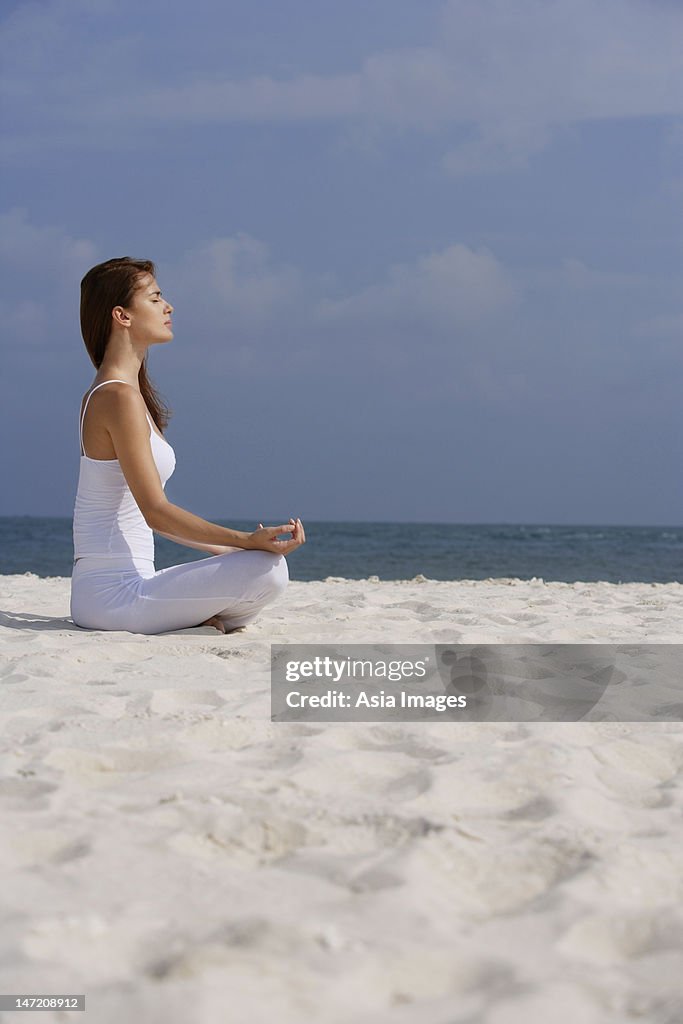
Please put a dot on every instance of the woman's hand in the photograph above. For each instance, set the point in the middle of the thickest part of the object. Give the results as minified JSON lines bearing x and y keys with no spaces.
{"x":266,"y":538}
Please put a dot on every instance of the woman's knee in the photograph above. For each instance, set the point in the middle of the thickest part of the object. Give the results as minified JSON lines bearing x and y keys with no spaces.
{"x":273,"y":574}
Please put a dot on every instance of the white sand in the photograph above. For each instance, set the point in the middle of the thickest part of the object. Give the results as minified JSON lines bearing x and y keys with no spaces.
{"x":170,"y":852}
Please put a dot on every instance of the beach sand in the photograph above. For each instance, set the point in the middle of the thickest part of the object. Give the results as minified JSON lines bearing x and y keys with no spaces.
{"x":176,"y":856}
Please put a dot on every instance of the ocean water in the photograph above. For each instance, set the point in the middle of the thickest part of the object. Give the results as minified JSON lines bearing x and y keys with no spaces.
{"x":403,"y":550}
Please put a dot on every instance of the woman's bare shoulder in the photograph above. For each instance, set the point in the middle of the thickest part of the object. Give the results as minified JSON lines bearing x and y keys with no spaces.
{"x":113,"y":394}
{"x":111,"y":403}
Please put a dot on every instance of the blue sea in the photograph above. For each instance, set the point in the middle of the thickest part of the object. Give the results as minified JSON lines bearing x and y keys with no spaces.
{"x":391,"y":551}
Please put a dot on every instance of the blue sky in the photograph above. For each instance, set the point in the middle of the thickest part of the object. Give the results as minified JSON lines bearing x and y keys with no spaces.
{"x":426,"y":257}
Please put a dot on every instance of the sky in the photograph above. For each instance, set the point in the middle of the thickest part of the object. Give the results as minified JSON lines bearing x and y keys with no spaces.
{"x":426,"y":257}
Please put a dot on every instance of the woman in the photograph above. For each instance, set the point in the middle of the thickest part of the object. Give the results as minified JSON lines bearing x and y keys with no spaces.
{"x":124,"y":466}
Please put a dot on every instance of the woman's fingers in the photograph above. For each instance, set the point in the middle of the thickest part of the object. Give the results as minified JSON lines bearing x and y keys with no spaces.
{"x":272,"y":542}
{"x":298,"y":534}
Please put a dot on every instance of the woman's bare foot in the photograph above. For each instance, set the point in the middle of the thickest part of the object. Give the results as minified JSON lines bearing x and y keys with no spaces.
{"x":215,"y":621}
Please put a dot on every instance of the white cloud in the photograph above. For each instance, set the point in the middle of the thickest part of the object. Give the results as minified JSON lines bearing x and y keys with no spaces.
{"x":242,"y":276}
{"x":528,"y":68}
{"x":496,"y":147}
{"x":231,"y":287}
{"x":42,"y":266}
{"x":25,"y":320}
{"x":507,"y":73}
{"x":558,"y":61}
{"x":535,"y":63}
{"x":251,"y":99}
{"x":455,"y":287}
{"x":50,"y":250}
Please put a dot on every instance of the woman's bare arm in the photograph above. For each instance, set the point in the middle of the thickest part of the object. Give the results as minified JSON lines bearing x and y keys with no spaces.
{"x":213,"y":549}
{"x":124,"y":415}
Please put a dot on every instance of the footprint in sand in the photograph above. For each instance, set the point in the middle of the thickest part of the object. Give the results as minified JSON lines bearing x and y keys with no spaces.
{"x":25,"y":794}
{"x":168,"y":701}
{"x":101,"y":767}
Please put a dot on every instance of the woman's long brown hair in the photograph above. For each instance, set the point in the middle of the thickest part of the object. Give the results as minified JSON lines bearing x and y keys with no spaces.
{"x":113,"y":284}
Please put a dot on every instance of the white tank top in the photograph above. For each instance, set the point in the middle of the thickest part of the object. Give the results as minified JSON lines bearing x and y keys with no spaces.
{"x":107,"y":522}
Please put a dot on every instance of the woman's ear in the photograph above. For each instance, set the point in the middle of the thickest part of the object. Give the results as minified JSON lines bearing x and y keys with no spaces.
{"x":119,"y":314}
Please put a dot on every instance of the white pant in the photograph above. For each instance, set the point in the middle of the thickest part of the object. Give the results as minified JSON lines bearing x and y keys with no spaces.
{"x":128,"y":594}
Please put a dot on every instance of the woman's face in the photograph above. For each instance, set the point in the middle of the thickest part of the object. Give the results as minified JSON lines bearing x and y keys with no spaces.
{"x":149,"y":313}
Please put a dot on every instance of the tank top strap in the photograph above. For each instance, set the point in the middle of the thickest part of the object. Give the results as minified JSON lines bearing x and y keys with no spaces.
{"x":92,"y":391}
